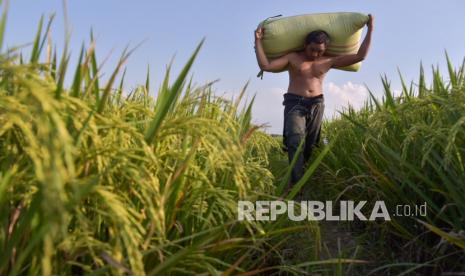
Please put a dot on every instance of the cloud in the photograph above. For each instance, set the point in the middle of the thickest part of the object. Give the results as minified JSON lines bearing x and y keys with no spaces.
{"x":339,"y":97}
{"x":268,"y":108}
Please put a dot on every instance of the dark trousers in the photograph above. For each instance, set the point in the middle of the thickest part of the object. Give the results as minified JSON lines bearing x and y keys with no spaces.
{"x":302,"y":120}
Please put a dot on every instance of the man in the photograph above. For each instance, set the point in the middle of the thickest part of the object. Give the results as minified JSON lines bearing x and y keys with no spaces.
{"x":304,"y":103}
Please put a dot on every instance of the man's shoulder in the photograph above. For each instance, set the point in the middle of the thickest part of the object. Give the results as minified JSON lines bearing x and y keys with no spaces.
{"x":330,"y":58}
{"x":294,"y":56}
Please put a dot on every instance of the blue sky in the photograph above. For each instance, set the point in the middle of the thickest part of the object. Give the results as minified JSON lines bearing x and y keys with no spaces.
{"x":406,"y":32}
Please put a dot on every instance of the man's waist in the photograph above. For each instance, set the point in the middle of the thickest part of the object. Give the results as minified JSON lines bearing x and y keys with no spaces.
{"x":290,"y":98}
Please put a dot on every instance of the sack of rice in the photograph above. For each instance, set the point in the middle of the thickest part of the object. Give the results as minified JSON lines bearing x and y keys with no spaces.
{"x":287,"y":34}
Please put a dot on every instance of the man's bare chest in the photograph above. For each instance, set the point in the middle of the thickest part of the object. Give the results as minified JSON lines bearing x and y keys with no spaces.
{"x":310,"y":69}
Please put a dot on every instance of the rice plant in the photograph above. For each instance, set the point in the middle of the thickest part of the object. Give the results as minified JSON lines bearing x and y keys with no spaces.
{"x":407,"y":150}
{"x":96,"y":179}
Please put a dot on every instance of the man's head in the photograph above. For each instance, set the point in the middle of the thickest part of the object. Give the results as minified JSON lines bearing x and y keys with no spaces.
{"x":315,"y":44}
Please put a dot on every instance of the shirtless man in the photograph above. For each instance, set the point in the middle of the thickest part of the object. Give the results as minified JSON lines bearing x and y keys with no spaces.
{"x":304,"y":104}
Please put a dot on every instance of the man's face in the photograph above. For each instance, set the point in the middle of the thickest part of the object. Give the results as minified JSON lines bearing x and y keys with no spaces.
{"x":315,"y":50}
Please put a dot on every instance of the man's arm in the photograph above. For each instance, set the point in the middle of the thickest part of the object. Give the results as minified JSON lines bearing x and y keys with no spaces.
{"x":347,"y":60}
{"x":274,"y":65}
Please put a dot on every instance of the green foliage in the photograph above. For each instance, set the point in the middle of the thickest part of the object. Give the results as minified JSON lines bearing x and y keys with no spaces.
{"x":406,"y":150}
{"x":100,"y":181}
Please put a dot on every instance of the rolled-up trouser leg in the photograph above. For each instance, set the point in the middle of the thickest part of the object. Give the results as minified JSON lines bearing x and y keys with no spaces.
{"x":313,"y":128}
{"x":294,"y":127}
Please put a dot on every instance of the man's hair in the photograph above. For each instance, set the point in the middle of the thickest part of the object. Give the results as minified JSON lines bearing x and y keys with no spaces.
{"x":317,"y":37}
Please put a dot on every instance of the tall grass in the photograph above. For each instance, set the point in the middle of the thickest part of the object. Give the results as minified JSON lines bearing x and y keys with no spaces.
{"x":407,"y":150}
{"x":95,"y":179}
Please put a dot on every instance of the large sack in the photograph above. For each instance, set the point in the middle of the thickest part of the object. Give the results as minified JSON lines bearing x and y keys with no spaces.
{"x":287,"y":34}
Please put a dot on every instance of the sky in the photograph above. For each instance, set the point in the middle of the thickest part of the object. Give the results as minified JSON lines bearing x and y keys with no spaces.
{"x":405,"y":34}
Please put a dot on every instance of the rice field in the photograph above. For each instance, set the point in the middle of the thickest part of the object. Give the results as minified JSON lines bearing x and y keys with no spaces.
{"x":405,"y":150}
{"x":96,"y":179}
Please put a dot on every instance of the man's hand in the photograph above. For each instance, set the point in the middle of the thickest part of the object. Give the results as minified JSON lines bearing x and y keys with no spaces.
{"x":370,"y":21}
{"x":274,"y":65}
{"x":259,"y":33}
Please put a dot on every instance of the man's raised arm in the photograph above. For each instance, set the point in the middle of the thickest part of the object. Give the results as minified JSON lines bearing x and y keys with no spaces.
{"x":274,"y":65}
{"x":347,"y":60}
